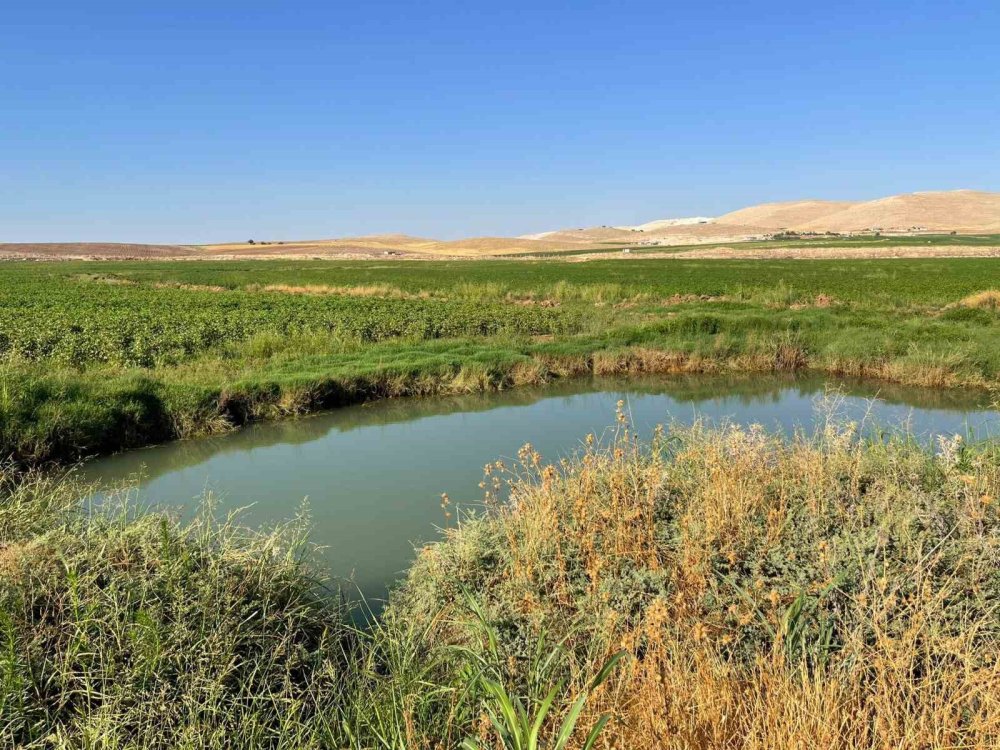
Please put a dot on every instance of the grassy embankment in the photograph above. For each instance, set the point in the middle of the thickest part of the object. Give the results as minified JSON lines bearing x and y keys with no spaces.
{"x":822,"y":593}
{"x":105,"y":356}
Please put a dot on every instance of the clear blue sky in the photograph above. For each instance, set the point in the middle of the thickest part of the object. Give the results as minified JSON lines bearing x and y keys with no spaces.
{"x":210,"y":121}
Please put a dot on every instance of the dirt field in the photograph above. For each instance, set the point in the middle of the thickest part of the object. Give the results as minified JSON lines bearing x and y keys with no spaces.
{"x":92,"y":251}
{"x":113,"y":251}
{"x":401,"y":245}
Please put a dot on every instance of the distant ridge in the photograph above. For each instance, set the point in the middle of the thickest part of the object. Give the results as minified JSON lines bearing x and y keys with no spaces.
{"x":965,"y":211}
{"x":652,"y":226}
{"x":786,"y":215}
{"x":960,"y":211}
{"x":956,"y":210}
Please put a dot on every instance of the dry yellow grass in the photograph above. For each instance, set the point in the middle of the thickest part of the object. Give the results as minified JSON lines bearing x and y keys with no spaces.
{"x":989,"y":299}
{"x":369,"y":290}
{"x":186,"y":287}
{"x":821,"y":594}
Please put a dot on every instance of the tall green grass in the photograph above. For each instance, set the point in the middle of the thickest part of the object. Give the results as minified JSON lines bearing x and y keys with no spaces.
{"x":122,"y":630}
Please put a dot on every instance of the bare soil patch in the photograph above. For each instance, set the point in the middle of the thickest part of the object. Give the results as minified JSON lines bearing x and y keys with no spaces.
{"x":92,"y":251}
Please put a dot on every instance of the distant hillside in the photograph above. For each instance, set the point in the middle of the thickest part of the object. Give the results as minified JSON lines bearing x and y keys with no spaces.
{"x":958,"y":210}
{"x":653,"y":226}
{"x":788,"y":215}
{"x":584,"y":235}
{"x":963,"y":211}
{"x":966,"y":211}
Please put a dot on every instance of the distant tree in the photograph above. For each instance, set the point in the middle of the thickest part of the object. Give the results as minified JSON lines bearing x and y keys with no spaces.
{"x":250,"y":242}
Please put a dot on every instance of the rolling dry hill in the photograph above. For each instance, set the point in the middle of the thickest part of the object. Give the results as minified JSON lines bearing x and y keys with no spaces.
{"x":963,"y":211}
{"x":785,"y":215}
{"x":957,"y":210}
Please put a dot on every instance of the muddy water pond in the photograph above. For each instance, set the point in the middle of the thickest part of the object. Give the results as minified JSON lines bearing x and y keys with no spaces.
{"x":372,"y":475}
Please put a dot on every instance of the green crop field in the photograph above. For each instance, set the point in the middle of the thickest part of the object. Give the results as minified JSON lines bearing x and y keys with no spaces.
{"x":85,"y":320}
{"x":872,"y":241}
{"x":889,"y":281}
{"x":98,"y":357}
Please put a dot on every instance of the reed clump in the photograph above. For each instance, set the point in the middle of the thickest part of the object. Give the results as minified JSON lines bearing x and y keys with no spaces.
{"x":824,"y":592}
{"x":122,"y":630}
{"x":989,"y":299}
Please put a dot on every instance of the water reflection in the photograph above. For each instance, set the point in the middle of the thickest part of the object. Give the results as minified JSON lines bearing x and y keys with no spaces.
{"x":373,"y":474}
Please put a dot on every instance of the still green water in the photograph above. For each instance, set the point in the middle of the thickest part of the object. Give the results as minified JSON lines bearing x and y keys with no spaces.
{"x":372,"y":475}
